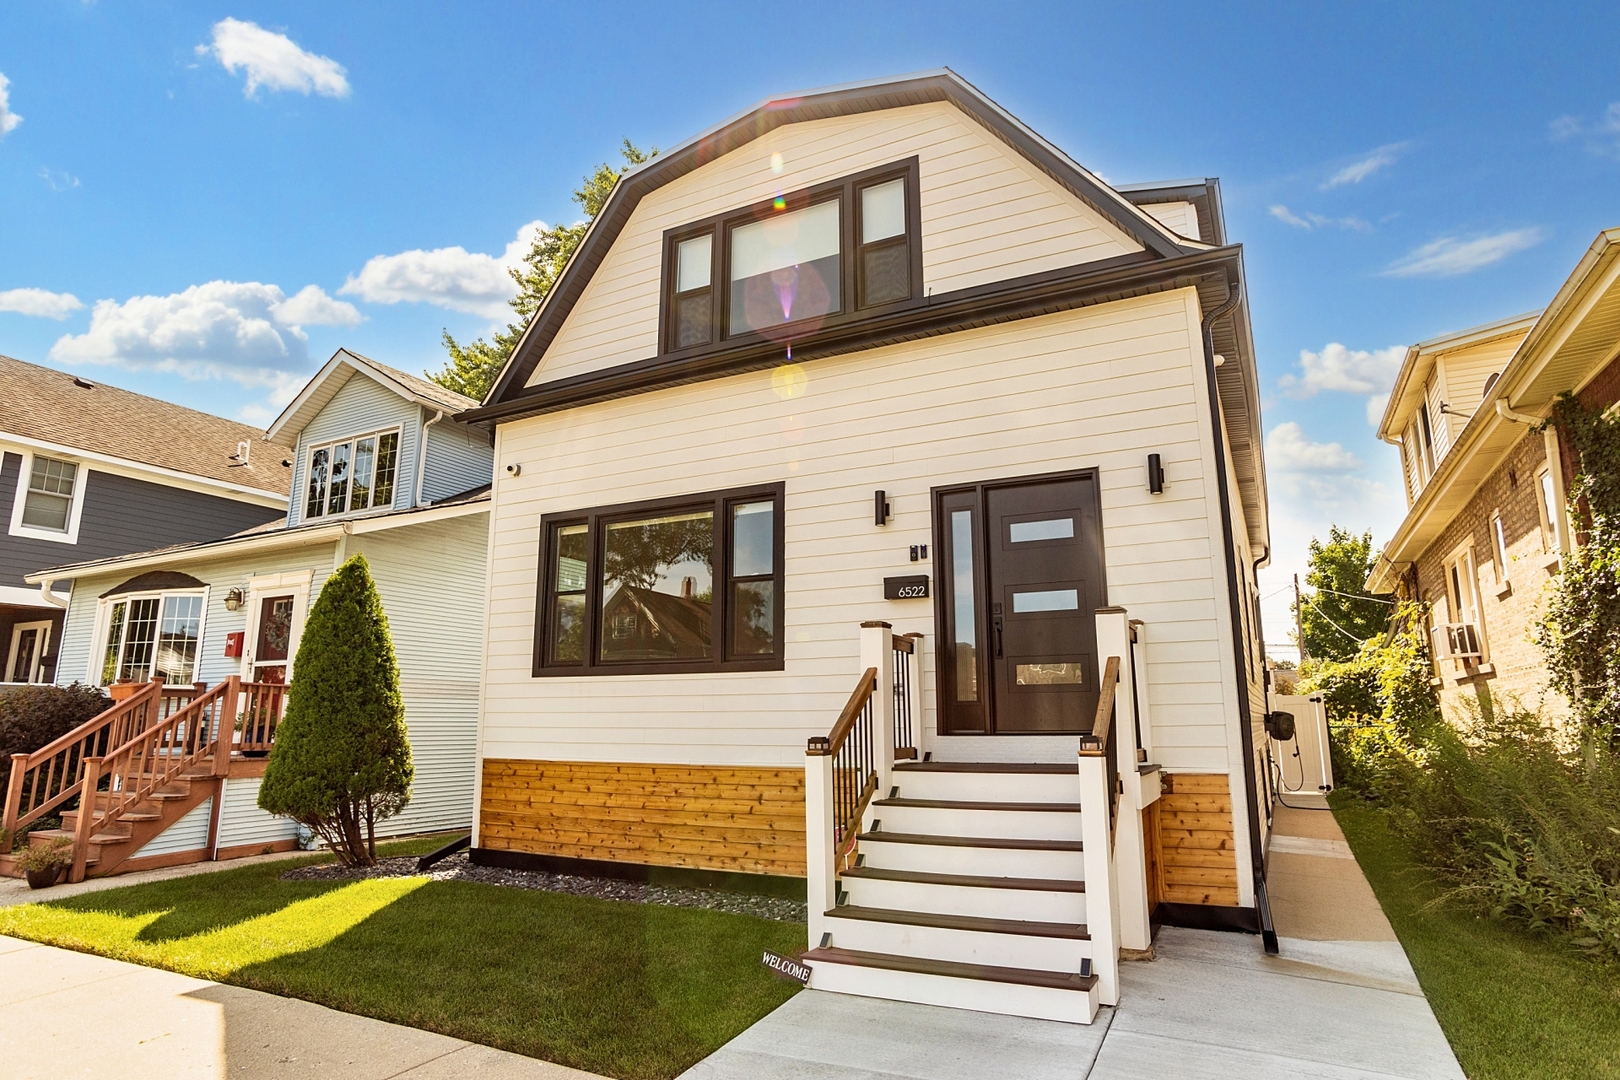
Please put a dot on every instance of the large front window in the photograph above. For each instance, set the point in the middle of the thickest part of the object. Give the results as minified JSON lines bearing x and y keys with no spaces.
{"x":149,"y":636}
{"x":686,"y":585}
{"x":351,"y":476}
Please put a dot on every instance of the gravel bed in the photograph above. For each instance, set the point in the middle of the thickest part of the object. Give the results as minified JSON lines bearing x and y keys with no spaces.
{"x":458,"y":867}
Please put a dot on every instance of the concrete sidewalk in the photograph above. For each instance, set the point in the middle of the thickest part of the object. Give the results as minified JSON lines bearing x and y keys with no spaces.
{"x":70,"y":1014}
{"x":1339,"y":1003}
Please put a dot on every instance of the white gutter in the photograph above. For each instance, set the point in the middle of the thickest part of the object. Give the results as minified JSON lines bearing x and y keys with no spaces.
{"x":421,"y":457}
{"x":140,"y":470}
{"x":50,"y":597}
{"x":1506,"y":413}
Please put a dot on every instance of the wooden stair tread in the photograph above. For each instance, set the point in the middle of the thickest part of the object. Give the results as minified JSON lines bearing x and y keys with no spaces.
{"x":972,"y":841}
{"x":954,"y":804}
{"x":989,"y":767}
{"x":1054,"y":980}
{"x":139,"y":815}
{"x":972,"y":881}
{"x":1069,"y":931}
{"x":111,"y":838}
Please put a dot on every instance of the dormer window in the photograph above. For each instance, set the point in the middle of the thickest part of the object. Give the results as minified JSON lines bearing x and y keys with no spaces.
{"x":352,"y":476}
{"x":785,"y":268}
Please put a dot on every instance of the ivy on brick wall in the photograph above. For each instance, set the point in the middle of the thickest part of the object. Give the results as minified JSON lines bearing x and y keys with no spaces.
{"x":1581,"y":629}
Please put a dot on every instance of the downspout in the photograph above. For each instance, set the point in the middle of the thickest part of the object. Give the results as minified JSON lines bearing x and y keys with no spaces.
{"x":50,"y":597}
{"x":1506,"y":413}
{"x":1246,"y":721}
{"x":421,"y":458}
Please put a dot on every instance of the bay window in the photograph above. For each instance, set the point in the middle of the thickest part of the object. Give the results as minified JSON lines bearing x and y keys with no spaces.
{"x":687,"y":584}
{"x":350,"y":476}
{"x":783,"y":268}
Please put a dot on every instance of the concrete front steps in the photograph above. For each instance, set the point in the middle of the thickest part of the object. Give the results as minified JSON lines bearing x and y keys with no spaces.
{"x":969,"y":892}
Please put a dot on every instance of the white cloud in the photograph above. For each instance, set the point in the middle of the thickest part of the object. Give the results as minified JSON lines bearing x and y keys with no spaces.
{"x":1289,"y":451}
{"x":1357,"y":171}
{"x":39,"y":303}
{"x":1450,"y":257}
{"x":260,"y":415}
{"x":1345,"y":371}
{"x":8,"y":119}
{"x":1601,"y":136}
{"x":1375,"y":409}
{"x":451,"y":277}
{"x":58,"y":179}
{"x":1317,"y":221}
{"x":245,"y":331}
{"x":273,"y":60}
{"x":1288,"y":217}
{"x":310,"y":306}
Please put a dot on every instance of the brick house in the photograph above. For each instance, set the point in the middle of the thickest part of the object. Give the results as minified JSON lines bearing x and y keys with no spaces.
{"x":1486,"y":527}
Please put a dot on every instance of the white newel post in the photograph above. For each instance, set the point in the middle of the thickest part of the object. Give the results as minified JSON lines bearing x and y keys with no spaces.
{"x":1130,"y":845}
{"x":877,"y":651}
{"x":1099,"y":875}
{"x":819,"y":872}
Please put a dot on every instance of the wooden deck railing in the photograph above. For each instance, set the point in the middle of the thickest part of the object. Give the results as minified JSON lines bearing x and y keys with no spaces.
{"x":1102,"y":740}
{"x":852,"y":745}
{"x":905,"y":648}
{"x":46,"y":779}
{"x":261,"y":707}
{"x":173,"y":747}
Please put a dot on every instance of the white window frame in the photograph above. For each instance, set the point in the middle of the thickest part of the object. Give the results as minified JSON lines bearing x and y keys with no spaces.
{"x":1499,"y":547}
{"x":44,"y":628}
{"x":75,"y":509}
{"x":304,"y":516}
{"x":104,"y":608}
{"x":1554,"y":526}
{"x":295,"y":583}
{"x":1468,"y":609}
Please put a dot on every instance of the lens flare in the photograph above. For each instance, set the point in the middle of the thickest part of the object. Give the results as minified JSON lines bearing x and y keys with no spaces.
{"x":776,"y":164}
{"x":779,"y":203}
{"x":789,"y":380}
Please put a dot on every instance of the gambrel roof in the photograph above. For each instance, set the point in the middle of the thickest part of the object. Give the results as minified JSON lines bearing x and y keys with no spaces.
{"x":1166,"y":261}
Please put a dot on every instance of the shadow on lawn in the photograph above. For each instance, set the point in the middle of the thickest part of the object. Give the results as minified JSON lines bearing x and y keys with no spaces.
{"x":637,"y":991}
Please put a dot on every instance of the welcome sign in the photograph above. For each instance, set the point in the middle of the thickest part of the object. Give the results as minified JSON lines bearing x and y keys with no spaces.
{"x":787,"y":968}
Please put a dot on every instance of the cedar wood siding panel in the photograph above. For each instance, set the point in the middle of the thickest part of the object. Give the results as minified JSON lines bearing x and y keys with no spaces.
{"x":1098,"y":387}
{"x":987,"y":215}
{"x":121,"y":515}
{"x":459,"y":458}
{"x":361,"y":405}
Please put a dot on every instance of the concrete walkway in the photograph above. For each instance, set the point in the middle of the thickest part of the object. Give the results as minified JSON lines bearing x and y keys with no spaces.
{"x":16,"y":890}
{"x":1339,"y":1003}
{"x":68,"y":1014}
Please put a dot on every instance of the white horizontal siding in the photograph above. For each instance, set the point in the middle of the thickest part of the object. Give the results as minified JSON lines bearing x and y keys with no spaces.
{"x":987,"y":215}
{"x":1101,"y":387}
{"x":459,"y":458}
{"x":360,"y":406}
{"x":241,"y":822}
{"x":1180,"y":218}
{"x":190,"y":833}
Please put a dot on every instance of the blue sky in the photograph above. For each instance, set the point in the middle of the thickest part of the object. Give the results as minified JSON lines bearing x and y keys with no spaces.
{"x":202,"y":201}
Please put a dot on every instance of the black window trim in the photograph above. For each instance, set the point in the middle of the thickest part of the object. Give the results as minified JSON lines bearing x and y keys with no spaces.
{"x":595,"y":519}
{"x":846,"y":189}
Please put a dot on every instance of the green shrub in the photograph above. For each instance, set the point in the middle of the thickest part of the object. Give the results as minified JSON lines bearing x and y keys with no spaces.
{"x":342,"y":759}
{"x":32,"y":717}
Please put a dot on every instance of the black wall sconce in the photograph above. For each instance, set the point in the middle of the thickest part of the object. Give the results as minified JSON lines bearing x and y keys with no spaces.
{"x":880,"y":507}
{"x":1155,"y":474}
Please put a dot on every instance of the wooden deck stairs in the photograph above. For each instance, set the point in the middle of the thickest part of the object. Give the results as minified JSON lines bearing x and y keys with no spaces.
{"x":121,"y":779}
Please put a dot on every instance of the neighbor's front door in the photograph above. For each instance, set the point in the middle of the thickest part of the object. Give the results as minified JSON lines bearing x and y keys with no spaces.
{"x":26,"y":660}
{"x":273,"y":642}
{"x":1021,"y":576}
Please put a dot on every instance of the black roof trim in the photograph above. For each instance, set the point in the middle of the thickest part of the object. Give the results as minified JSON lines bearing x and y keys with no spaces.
{"x":155,"y":581}
{"x":1205,"y":195}
{"x":943,"y":85}
{"x":983,"y":305}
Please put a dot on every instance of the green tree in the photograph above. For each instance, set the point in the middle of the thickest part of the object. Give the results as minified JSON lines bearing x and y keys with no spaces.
{"x":342,"y":758}
{"x":1580,"y":632}
{"x":1341,"y":614}
{"x":474,"y":366}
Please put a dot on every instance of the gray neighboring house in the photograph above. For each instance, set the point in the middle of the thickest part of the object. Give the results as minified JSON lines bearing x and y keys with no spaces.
{"x":89,"y":471}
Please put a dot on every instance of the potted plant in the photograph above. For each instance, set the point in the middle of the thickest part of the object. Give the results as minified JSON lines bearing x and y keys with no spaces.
{"x":43,"y":865}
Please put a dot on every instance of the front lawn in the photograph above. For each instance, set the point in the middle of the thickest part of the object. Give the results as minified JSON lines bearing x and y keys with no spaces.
{"x":1515,"y":1006}
{"x":638,"y":991}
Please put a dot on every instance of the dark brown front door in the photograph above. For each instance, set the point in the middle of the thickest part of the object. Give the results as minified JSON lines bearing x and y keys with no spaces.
{"x":1021,"y":577}
{"x":274,"y":642}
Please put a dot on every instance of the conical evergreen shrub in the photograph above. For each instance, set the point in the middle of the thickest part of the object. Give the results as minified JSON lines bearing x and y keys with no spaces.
{"x":342,"y":758}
